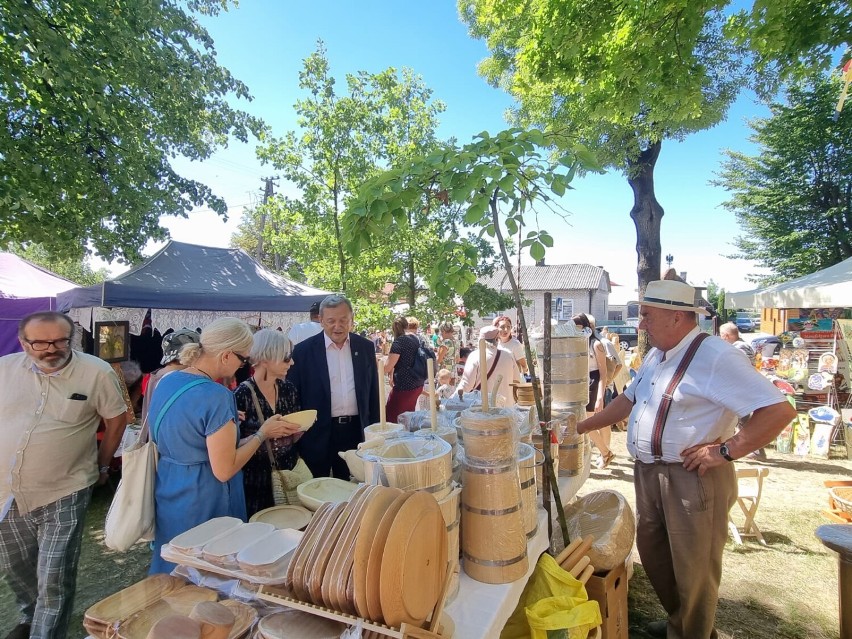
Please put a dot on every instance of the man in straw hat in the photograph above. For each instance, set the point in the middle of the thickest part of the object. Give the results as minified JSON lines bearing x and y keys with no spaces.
{"x":684,"y":479}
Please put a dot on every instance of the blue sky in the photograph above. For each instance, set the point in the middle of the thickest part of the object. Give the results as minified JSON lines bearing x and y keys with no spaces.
{"x":263,"y":43}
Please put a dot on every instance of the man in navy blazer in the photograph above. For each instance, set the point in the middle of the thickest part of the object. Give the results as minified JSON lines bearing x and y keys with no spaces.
{"x":335,"y":373}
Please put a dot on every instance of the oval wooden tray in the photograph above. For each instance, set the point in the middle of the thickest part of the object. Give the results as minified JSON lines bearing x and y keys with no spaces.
{"x":124,"y":603}
{"x":381,"y":500}
{"x":372,"y":593}
{"x":180,"y":602}
{"x":414,"y":561}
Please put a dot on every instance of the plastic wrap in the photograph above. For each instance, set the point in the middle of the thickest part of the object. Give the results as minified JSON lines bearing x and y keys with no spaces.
{"x":528,"y":460}
{"x":269,"y":556}
{"x":493,"y":539}
{"x":386,"y":429}
{"x":607,"y":517}
{"x":569,"y":368}
{"x":223,"y":550}
{"x":489,"y":437}
{"x":413,"y":421}
{"x":410,"y":462}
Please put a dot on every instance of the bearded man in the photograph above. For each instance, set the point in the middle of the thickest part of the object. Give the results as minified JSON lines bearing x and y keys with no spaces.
{"x":52,"y":400}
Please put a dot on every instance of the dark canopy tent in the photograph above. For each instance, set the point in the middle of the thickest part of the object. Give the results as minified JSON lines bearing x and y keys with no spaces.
{"x":192,"y":277}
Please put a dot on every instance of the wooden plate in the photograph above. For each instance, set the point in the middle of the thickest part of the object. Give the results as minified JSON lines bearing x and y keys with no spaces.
{"x":304,"y":418}
{"x":381,"y":500}
{"x":121,"y":605}
{"x":294,"y":624}
{"x":317,"y":574}
{"x":309,"y":577}
{"x":340,"y":564}
{"x":414,"y":562}
{"x":308,"y":540}
{"x":244,"y":617}
{"x":284,"y":517}
{"x":180,"y":602}
{"x":374,"y":563}
{"x":313,"y":537}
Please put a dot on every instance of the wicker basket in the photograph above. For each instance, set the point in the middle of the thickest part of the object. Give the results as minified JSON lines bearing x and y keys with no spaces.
{"x":842,"y":496}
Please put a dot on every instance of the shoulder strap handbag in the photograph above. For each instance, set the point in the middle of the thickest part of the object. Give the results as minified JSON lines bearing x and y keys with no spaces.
{"x":668,"y":396}
{"x":284,"y":482}
{"x":131,"y":514}
{"x":490,"y":370}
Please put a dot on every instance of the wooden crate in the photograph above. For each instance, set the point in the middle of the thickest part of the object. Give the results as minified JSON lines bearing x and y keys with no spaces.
{"x":610,"y":591}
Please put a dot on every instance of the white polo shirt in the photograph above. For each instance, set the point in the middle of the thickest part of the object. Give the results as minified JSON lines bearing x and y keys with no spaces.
{"x":720,"y":386}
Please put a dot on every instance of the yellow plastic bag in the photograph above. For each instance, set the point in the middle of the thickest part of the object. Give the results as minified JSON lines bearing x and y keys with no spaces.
{"x":552,"y":600}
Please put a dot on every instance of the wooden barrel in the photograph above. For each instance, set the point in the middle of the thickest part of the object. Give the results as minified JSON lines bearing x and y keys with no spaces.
{"x":411,"y":462}
{"x":452,"y":518}
{"x":572,"y":452}
{"x":488,"y":437}
{"x":493,"y":539}
{"x":528,"y":459}
{"x":569,"y":368}
{"x":524,"y":394}
{"x":554,"y":456}
{"x":388,"y":429}
{"x":572,"y":447}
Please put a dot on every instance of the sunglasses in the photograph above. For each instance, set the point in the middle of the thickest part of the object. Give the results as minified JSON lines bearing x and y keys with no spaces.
{"x":243,"y":359}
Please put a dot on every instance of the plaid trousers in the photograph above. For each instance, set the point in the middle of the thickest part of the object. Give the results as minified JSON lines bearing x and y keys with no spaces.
{"x":38,"y":558}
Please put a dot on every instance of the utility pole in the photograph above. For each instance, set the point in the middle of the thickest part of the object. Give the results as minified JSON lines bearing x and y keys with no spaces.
{"x":267,"y":194}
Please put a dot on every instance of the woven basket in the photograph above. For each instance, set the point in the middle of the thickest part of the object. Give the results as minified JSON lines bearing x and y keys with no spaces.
{"x":842,"y":496}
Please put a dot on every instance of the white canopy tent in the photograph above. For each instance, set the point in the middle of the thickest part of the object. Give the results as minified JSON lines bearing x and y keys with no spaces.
{"x":829,"y":288}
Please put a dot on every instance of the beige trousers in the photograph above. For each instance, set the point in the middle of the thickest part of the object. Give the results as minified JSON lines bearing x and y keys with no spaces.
{"x":682,"y":527}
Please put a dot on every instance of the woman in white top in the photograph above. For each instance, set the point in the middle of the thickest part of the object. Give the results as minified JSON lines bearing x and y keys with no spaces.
{"x":504,"y":367}
{"x":597,"y":389}
{"x":511,"y":343}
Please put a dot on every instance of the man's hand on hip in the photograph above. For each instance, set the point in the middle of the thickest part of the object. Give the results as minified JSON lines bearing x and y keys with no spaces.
{"x":703,"y":457}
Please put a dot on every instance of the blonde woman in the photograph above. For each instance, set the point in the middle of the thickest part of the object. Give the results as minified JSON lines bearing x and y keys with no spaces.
{"x":268,"y":391}
{"x":193,"y":422}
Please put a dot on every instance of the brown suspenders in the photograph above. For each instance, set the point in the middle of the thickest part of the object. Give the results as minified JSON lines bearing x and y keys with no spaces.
{"x":668,"y":396}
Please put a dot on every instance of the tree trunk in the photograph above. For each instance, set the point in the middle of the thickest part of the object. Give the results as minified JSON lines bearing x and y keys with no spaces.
{"x":647,"y":217}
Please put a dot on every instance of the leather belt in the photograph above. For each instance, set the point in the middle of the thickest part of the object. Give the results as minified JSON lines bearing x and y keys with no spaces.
{"x":344,"y":419}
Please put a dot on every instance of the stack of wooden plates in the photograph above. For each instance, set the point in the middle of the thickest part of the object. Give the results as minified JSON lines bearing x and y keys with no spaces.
{"x":134,"y":610}
{"x":101,"y":619}
{"x":381,"y":556}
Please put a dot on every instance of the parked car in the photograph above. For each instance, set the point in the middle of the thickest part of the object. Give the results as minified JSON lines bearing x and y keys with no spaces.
{"x":628,"y":335}
{"x":745,"y":324}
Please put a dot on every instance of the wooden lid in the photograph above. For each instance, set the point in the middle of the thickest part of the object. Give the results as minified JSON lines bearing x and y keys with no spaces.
{"x":374,"y":563}
{"x":284,"y":517}
{"x":414,"y":562}
{"x":294,"y":624}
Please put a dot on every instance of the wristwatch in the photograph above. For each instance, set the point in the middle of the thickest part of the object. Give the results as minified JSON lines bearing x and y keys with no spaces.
{"x":725,"y":452}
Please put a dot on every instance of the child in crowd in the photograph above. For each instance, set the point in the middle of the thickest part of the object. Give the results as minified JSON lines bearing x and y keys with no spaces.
{"x":445,"y":385}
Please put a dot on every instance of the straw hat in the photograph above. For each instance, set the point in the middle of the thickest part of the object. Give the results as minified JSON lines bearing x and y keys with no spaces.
{"x":672,"y":296}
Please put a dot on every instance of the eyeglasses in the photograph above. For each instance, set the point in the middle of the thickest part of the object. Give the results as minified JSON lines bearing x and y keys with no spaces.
{"x":243,"y":359}
{"x":43,"y":345}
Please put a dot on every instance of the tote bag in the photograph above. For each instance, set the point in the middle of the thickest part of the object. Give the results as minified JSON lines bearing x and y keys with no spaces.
{"x":131,"y":514}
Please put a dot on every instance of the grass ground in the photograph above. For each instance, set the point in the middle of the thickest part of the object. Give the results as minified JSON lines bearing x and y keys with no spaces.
{"x":786,"y":590}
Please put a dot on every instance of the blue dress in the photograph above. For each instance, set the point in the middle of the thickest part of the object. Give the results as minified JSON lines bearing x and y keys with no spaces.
{"x":186,"y":492}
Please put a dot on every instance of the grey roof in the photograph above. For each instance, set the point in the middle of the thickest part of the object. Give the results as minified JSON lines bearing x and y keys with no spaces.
{"x":558,"y":277}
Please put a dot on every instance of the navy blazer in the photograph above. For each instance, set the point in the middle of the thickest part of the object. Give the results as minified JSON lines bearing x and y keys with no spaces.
{"x":309,"y":374}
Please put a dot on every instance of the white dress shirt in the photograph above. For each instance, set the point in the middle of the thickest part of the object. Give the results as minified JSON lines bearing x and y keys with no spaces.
{"x":301,"y":332}
{"x":341,"y":375}
{"x":719,"y":387}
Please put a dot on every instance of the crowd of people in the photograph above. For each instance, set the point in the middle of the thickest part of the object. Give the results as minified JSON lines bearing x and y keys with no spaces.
{"x":220,"y":445}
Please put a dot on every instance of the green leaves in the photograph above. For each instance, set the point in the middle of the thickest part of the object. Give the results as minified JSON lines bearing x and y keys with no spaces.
{"x":97,"y":102}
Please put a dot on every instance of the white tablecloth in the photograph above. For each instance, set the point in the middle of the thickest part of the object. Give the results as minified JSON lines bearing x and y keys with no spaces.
{"x":481,"y":610}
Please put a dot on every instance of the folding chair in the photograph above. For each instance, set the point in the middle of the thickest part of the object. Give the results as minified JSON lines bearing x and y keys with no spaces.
{"x":749,"y":489}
